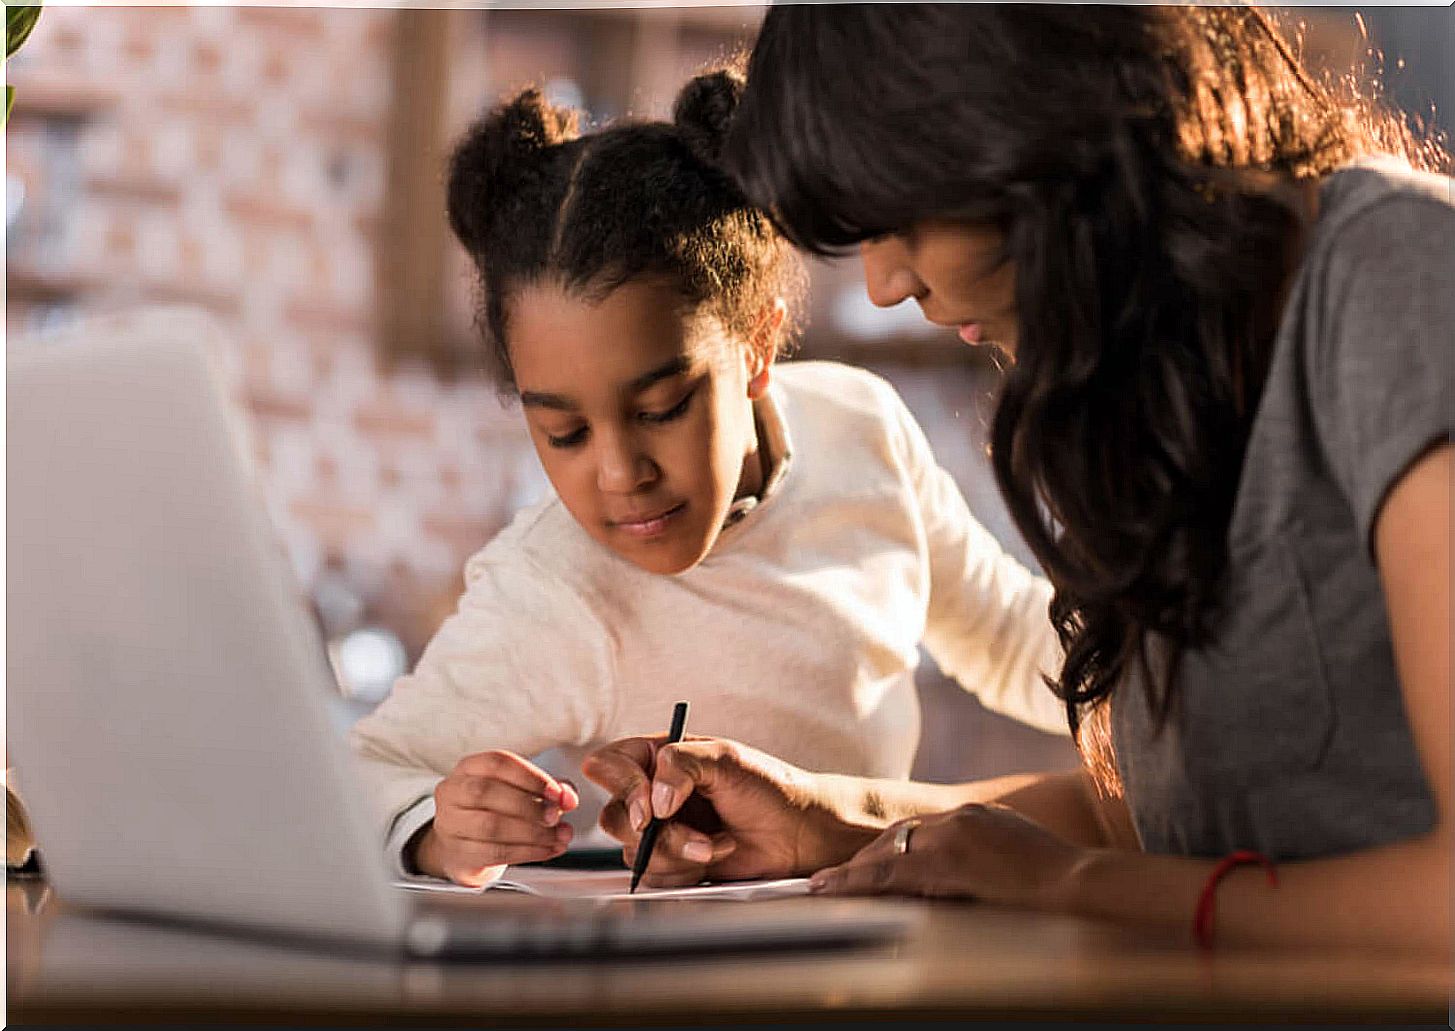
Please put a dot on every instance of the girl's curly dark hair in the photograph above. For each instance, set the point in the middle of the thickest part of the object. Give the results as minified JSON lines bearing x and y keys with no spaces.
{"x":532,"y":200}
{"x":1129,"y":154}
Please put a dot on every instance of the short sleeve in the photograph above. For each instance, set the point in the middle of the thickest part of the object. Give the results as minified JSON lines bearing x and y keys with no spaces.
{"x":1383,"y":356}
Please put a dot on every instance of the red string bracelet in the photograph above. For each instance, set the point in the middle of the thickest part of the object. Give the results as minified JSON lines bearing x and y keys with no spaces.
{"x":1202,"y":919}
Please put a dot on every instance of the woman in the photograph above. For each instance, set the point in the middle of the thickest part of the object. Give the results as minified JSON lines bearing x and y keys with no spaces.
{"x":1225,"y":434}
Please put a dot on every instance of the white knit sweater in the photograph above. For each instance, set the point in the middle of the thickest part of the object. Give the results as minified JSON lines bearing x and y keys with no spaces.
{"x":798,"y":634}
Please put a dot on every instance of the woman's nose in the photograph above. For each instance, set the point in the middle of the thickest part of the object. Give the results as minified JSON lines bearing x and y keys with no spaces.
{"x":622,"y":466}
{"x":888,"y":277}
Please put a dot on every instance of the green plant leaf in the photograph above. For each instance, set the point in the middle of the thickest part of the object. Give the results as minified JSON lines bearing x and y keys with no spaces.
{"x":19,"y":20}
{"x":9,"y":99}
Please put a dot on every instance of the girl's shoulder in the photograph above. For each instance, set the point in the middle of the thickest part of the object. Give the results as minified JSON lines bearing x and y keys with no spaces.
{"x":542,"y":544}
{"x":836,"y":394}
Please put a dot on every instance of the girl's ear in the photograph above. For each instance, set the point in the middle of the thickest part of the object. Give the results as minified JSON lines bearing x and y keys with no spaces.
{"x":763,"y":348}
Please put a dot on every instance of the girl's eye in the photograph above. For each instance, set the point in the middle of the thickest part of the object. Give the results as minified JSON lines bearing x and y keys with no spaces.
{"x":675,"y":412}
{"x":569,"y":440}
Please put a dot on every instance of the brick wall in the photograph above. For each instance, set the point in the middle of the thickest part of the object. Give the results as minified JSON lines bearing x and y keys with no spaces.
{"x":236,"y":161}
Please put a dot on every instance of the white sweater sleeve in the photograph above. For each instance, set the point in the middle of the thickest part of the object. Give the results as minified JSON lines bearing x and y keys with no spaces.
{"x":523,"y":664}
{"x":987,"y":623}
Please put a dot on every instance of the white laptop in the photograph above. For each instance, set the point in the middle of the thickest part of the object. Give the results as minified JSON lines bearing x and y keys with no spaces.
{"x":169,"y":701}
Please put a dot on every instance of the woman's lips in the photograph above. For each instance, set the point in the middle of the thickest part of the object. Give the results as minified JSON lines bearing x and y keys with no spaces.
{"x":649,"y":526}
{"x":970,"y":332}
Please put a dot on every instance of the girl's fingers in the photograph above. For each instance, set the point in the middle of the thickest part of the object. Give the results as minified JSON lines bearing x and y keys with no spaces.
{"x":514,"y":770}
{"x":467,"y":860}
{"x":487,"y":794}
{"x":484,"y":827}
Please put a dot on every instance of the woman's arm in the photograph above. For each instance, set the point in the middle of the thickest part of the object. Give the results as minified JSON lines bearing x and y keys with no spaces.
{"x":1396,"y":895}
{"x":739,"y":813}
{"x":1066,"y":803}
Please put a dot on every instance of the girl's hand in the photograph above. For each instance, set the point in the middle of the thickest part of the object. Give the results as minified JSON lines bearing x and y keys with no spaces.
{"x":495,"y":808}
{"x":976,"y":851}
{"x":737,"y":813}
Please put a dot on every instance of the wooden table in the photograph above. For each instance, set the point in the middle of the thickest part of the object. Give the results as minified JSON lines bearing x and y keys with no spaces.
{"x":970,"y":961}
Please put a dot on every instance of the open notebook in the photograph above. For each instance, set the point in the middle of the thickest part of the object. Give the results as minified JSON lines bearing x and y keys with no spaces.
{"x":613,"y":885}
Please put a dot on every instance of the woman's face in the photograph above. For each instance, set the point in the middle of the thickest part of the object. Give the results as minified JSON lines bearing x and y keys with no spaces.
{"x":642,"y":417}
{"x":955,"y":271}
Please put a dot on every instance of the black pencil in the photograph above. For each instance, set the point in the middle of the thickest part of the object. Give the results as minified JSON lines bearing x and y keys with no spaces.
{"x":654,"y":825}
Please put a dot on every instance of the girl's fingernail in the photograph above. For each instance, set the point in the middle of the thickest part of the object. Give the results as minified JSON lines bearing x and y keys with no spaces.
{"x":551,"y":815}
{"x":817,"y":883}
{"x":662,"y":800}
{"x":637,"y":815}
{"x":697,"y":851}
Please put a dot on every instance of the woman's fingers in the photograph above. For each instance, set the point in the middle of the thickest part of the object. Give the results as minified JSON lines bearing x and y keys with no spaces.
{"x":872,"y":870}
{"x":682,"y":856}
{"x":621,"y":768}
{"x":858,"y":876}
{"x":683,"y":769}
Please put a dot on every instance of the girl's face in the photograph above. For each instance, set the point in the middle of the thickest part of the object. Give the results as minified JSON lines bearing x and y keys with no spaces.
{"x":641,"y":414}
{"x":956,"y":273}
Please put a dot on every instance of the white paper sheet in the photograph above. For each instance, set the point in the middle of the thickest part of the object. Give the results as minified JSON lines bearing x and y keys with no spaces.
{"x":559,"y":883}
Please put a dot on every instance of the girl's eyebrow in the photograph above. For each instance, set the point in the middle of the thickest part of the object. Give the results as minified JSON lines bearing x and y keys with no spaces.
{"x":539,"y":399}
{"x":676,"y":367}
{"x":561,"y":403}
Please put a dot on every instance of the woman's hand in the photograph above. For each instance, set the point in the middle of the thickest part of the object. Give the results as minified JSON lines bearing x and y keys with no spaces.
{"x":975,"y":851}
{"x":736,"y":813}
{"x":495,"y":808}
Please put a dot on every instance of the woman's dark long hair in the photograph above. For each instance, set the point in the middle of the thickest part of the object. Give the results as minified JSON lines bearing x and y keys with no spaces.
{"x":1131,"y":157}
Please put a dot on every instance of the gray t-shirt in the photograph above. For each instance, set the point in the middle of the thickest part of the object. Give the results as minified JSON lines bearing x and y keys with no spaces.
{"x":1288,"y":734}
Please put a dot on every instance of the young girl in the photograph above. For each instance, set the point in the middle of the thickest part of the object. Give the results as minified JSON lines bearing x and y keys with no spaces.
{"x":771,"y":543}
{"x":1226,"y":434}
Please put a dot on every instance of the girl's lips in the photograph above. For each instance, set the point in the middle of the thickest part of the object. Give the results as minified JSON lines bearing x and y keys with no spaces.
{"x":970,"y":332}
{"x":651,"y":526}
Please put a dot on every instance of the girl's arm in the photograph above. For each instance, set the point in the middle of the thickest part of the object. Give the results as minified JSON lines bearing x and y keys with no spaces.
{"x":986,"y":622}
{"x":1395,"y":895}
{"x":488,"y":680}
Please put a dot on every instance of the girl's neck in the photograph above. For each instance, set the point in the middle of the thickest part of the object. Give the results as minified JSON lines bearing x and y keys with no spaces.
{"x":757,"y":464}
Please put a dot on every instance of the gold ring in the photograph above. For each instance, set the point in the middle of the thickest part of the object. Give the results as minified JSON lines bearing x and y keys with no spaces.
{"x":901,"y":836}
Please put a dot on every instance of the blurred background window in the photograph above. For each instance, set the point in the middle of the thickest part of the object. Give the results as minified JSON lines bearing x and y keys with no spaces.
{"x":283,"y":169}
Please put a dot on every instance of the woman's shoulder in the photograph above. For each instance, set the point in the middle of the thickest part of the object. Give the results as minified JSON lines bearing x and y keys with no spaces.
{"x":1384,"y":198}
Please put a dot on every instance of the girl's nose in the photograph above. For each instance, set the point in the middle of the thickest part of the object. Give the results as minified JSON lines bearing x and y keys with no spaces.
{"x":888,"y":277}
{"x":622,"y":466}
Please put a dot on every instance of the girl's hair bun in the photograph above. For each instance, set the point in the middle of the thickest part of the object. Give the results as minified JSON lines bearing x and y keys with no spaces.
{"x":704,"y":111}
{"x":528,"y":123}
{"x":497,"y":154}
